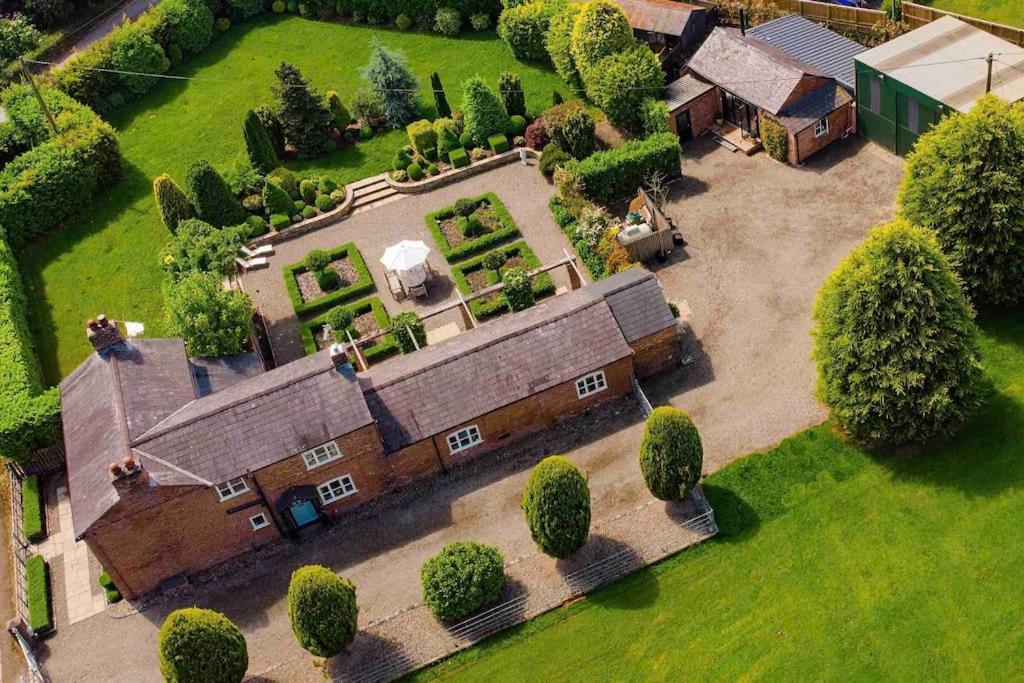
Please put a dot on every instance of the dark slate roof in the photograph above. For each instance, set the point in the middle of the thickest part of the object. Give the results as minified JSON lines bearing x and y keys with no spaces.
{"x":658,"y":16}
{"x":637,"y":303}
{"x":750,"y":68}
{"x":812,"y":44}
{"x":210,"y":375}
{"x":260,"y":421}
{"x":815,"y":105}
{"x":685,"y":89}
{"x":107,"y":402}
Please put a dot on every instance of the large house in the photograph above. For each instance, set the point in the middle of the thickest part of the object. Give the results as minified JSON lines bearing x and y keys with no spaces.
{"x":790,"y":70}
{"x":906,"y":85}
{"x":175,"y":466}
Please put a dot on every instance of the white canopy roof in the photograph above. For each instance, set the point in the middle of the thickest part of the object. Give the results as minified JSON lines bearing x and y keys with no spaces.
{"x":406,"y":255}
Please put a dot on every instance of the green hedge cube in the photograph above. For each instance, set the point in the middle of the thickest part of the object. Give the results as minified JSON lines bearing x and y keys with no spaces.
{"x":499,"y":143}
{"x":458,"y":157}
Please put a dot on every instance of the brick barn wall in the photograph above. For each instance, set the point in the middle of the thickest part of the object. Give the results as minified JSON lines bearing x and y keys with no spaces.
{"x":415,"y":462}
{"x":703,"y":112}
{"x":804,"y":143}
{"x":655,"y":353}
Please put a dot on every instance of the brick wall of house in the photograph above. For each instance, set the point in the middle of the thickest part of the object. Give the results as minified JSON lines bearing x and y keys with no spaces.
{"x":655,"y":353}
{"x":418,"y":461}
{"x":806,"y":85}
{"x":804,"y":143}
{"x":703,"y":112}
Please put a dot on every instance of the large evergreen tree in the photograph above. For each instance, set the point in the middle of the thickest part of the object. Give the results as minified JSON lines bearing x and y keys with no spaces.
{"x":895,"y":342}
{"x":211,"y":197}
{"x":305,"y":120}
{"x":965,"y":181}
{"x":484,"y":113}
{"x":390,"y":77}
{"x":440,"y":100}
{"x":258,"y":145}
{"x":172,"y":203}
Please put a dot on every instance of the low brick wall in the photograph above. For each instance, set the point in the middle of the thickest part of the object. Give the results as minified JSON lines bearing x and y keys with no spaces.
{"x":302,"y":227}
{"x":455,"y":175}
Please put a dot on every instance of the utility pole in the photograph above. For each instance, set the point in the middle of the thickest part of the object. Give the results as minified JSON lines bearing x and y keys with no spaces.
{"x":988,"y":81}
{"x":39,"y":96}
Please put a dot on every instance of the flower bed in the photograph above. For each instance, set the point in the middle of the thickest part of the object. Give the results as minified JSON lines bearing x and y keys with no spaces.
{"x":352,"y":289}
{"x":492,"y":214}
{"x":40,"y":609}
{"x":370,"y":318}
{"x":32,"y":510}
{"x":471,"y":276}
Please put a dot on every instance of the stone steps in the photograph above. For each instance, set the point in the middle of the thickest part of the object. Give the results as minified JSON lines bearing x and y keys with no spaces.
{"x":371,"y":191}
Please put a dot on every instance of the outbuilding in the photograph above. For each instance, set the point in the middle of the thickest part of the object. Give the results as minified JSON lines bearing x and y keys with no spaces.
{"x":907,"y":85}
{"x":673,"y":30}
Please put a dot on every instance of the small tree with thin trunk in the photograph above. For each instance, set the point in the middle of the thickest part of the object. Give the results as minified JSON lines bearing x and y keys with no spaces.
{"x":172,"y":203}
{"x":518,"y":291}
{"x":258,"y":145}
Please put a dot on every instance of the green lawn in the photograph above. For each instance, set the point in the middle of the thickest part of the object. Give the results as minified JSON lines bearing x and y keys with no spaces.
{"x":1009,"y":12}
{"x":106,"y":260}
{"x":832,"y":564}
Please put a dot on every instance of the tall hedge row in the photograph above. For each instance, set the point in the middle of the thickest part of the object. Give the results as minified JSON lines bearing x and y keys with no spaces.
{"x":616,"y":173}
{"x":421,"y":11}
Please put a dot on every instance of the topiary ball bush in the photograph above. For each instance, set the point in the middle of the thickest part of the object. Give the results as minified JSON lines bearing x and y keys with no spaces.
{"x":327,"y":280}
{"x":432,"y":170}
{"x":324,"y":202}
{"x":671,"y":454}
{"x":201,"y":646}
{"x":516,"y":125}
{"x":339,"y":318}
{"x":447,"y":21}
{"x":556,"y":503}
{"x":307,"y":190}
{"x":401,"y":160}
{"x":280,"y":221}
{"x":322,"y":609}
{"x":253,"y":203}
{"x":326,"y":186}
{"x":308,"y":212}
{"x":298,"y":206}
{"x":480,"y":21}
{"x":365,"y":133}
{"x":293,"y":6}
{"x":278,"y":7}
{"x":462,"y":578}
{"x":464,"y":206}
{"x":317,"y":259}
{"x":255,"y":226}
{"x":466,"y":140}
{"x":222,"y":24}
{"x":403,"y":22}
{"x":415,"y":172}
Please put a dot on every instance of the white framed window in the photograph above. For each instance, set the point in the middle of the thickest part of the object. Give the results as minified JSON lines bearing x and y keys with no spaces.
{"x":821,"y":128}
{"x":259,"y":521}
{"x":321,"y":455}
{"x":464,"y":438}
{"x":591,"y":384}
{"x":336,"y":489}
{"x":232,"y":488}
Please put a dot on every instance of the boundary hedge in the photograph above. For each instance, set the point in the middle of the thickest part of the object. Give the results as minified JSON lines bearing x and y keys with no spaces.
{"x":361,"y":286}
{"x":37,"y":582}
{"x":617,"y":173}
{"x":471,"y":247}
{"x":385,"y":348}
{"x":33,"y":518}
{"x":542,"y":284}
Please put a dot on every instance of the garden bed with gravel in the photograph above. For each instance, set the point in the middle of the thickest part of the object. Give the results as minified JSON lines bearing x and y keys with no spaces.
{"x":473,"y":276}
{"x":370,"y":319}
{"x":470,"y":226}
{"x":304,"y":289}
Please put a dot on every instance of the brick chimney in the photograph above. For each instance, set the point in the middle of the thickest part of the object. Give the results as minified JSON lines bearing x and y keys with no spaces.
{"x":103,"y":334}
{"x":339,"y":355}
{"x":127,"y":475}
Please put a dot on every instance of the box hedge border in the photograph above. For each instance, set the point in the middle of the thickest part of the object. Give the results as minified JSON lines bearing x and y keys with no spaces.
{"x":480,"y":244}
{"x":37,"y":582}
{"x":542,"y":284}
{"x":385,"y":348}
{"x":33,"y":518}
{"x":362,"y":286}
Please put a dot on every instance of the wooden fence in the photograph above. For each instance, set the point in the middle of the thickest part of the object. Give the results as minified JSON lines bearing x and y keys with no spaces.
{"x":919,"y":15}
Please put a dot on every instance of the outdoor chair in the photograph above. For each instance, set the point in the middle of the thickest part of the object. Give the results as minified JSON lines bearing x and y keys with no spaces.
{"x":253,"y":263}
{"x":419,"y":291}
{"x":265,"y":250}
{"x":394,"y":286}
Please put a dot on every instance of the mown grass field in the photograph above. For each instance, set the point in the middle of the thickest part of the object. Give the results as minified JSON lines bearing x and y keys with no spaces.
{"x":833,"y":564}
{"x":1009,"y":12}
{"x":106,"y":259}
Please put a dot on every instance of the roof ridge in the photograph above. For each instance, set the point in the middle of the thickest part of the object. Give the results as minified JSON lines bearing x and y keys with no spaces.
{"x":159,"y":429}
{"x":508,"y":334}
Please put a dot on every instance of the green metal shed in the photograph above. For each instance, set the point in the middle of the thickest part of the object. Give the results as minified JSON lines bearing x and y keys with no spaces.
{"x":907,"y":85}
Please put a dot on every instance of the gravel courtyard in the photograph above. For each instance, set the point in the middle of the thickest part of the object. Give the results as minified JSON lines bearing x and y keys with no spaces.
{"x":762,"y":237}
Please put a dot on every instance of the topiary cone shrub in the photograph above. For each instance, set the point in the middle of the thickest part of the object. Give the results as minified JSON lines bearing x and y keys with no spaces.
{"x":556,"y":503}
{"x":671,"y":454}
{"x":322,"y":609}
{"x":201,"y":646}
{"x":895,"y":343}
{"x":462,"y":578}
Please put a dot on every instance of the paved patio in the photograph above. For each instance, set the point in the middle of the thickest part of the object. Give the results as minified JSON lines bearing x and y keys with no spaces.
{"x":522,"y":189}
{"x":762,"y":237}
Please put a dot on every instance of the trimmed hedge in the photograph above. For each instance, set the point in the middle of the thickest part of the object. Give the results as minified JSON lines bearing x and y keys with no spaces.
{"x":37,"y":583}
{"x":33,"y":517}
{"x":462,"y":578}
{"x":508,"y":229}
{"x":29,"y":416}
{"x":542,"y":284}
{"x":616,"y":173}
{"x":385,"y":347}
{"x":363,"y":285}
{"x":499,"y":143}
{"x":201,"y":646}
{"x":458,"y":157}
{"x":322,"y":609}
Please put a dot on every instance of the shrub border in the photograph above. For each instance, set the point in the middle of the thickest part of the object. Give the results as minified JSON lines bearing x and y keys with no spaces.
{"x":33,"y":519}
{"x":37,"y":585}
{"x":363,"y":285}
{"x":385,"y":348}
{"x":471,"y":247}
{"x":542,"y":284}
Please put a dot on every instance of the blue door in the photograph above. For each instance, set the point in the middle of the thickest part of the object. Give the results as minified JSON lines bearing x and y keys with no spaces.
{"x":303,"y":512}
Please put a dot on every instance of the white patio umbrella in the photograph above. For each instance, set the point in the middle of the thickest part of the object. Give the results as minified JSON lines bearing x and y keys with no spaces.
{"x":406,"y":255}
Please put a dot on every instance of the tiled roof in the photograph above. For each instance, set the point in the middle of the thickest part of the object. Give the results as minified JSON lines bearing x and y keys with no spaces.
{"x":210,"y":375}
{"x":813,"y":44}
{"x":260,"y":421}
{"x":658,"y":16}
{"x":104,"y":404}
{"x":813,"y":106}
{"x":637,"y":302}
{"x":685,"y":89}
{"x":494,"y":365}
{"x":750,"y":68}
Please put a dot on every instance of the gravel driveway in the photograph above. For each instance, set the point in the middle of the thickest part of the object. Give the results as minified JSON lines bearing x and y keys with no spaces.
{"x":762,"y":237}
